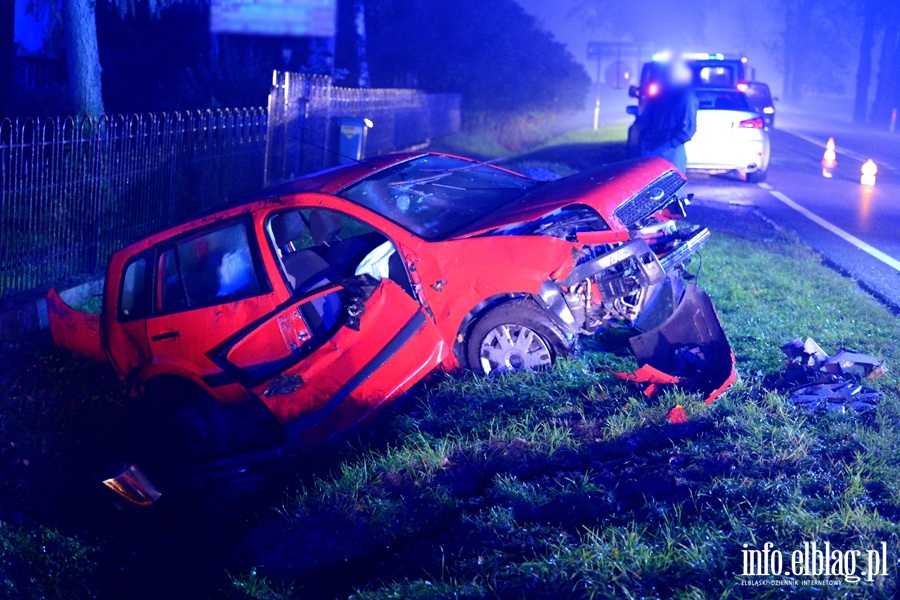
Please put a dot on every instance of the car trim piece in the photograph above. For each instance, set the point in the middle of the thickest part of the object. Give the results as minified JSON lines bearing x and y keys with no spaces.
{"x":412,"y":327}
{"x":658,"y":194}
{"x":219,"y":379}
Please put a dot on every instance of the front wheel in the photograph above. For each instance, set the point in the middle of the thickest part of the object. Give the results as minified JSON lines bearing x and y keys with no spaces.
{"x":515,"y":336}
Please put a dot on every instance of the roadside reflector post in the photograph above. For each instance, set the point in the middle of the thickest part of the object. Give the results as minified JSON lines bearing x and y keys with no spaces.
{"x":869,"y":170}
{"x":893,"y":121}
{"x":829,"y":160}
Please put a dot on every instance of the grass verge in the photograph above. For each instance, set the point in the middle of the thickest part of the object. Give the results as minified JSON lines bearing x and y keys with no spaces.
{"x":569,"y":484}
{"x":563,"y":154}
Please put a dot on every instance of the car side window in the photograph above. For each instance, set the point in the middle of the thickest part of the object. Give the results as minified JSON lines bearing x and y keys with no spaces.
{"x":207,"y":269}
{"x":134,"y":297}
{"x":317,"y":247}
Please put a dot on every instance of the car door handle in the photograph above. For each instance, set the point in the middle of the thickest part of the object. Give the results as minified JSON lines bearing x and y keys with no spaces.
{"x":169,"y":335}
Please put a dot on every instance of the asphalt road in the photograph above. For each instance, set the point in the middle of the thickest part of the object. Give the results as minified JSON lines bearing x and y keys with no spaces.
{"x":857,"y":229}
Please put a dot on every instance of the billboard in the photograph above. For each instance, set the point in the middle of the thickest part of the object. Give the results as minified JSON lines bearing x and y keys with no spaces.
{"x":299,"y":18}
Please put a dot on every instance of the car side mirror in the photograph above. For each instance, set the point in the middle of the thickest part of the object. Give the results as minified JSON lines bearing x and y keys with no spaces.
{"x":634,"y":91}
{"x":632,"y":110}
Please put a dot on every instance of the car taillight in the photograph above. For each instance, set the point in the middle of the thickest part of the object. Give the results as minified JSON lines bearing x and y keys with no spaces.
{"x":653,"y":89}
{"x":742,"y":87}
{"x":756,"y":123}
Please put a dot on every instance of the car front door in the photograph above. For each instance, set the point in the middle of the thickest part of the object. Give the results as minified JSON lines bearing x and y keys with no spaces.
{"x":326,"y":361}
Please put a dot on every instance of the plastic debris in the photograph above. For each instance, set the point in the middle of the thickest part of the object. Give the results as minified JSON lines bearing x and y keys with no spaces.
{"x":677,"y":415}
{"x":823,"y":383}
{"x":836,"y":397}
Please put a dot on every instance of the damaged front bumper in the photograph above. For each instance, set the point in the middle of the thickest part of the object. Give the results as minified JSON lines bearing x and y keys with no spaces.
{"x":642,"y":286}
{"x":690,"y":345}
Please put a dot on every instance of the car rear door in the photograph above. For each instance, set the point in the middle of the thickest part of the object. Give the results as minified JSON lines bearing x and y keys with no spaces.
{"x":208,"y":284}
{"x":319,"y":372}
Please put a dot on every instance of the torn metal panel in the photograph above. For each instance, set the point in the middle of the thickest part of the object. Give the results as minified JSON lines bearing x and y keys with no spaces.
{"x":854,"y":363}
{"x":690,"y":345}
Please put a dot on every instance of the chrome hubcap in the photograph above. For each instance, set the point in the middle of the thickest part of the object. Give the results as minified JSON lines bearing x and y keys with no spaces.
{"x":514,"y":348}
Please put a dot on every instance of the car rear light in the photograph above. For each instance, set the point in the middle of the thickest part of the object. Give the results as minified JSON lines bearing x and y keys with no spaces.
{"x":653,"y":89}
{"x":756,"y":123}
{"x":742,"y":87}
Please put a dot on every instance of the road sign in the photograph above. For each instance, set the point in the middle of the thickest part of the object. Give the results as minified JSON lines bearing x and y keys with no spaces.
{"x":315,"y":18}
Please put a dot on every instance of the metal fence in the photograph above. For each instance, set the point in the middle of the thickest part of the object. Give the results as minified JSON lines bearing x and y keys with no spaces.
{"x":72,"y":191}
{"x":303,"y":129}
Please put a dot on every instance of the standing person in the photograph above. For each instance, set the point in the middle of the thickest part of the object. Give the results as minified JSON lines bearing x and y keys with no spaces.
{"x":669,"y":121}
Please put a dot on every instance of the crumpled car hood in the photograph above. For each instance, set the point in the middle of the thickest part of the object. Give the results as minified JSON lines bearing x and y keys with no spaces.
{"x":604,"y":189}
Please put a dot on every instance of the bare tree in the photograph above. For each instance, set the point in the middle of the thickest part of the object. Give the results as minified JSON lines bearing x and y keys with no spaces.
{"x":83,"y":56}
{"x":864,"y":68}
{"x":678,"y":24}
{"x":79,"y":21}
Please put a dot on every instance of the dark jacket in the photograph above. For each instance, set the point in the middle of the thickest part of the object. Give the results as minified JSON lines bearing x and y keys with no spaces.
{"x":669,"y":119}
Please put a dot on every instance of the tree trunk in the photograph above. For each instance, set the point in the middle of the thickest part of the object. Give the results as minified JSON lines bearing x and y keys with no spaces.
{"x":362,"y":58}
{"x":793,"y":47}
{"x":83,"y":56}
{"x":864,"y":69}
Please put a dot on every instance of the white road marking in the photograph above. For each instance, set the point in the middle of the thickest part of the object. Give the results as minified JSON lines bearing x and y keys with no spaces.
{"x":847,"y":237}
{"x":841,"y":150}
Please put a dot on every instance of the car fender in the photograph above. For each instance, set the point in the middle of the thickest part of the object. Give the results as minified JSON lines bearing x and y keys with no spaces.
{"x":459,"y":275}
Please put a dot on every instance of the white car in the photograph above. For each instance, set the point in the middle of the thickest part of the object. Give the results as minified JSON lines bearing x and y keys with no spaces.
{"x":731,"y":136}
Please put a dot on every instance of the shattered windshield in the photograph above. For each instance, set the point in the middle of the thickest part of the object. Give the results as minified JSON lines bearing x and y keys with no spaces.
{"x":434,"y":196}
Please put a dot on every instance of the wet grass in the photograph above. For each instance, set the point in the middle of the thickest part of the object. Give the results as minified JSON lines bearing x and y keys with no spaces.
{"x":565,"y":484}
{"x":563,"y":155}
{"x":570,"y":485}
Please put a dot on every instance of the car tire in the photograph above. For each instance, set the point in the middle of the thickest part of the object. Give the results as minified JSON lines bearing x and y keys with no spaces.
{"x":757,"y":176}
{"x":183,"y":426}
{"x":515,"y":336}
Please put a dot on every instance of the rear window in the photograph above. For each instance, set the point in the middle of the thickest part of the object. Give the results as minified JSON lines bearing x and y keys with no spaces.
{"x":716,"y":77}
{"x":722,"y":100}
{"x":207,"y":269}
{"x":218,"y":265}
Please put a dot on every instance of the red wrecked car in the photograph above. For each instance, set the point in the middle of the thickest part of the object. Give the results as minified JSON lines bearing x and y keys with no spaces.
{"x":321,"y":299}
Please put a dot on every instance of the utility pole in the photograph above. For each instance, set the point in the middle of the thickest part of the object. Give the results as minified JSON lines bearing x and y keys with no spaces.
{"x":595,"y":53}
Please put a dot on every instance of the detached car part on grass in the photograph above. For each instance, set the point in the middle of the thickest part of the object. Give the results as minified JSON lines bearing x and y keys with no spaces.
{"x":830,"y":384}
{"x":305,"y":309}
